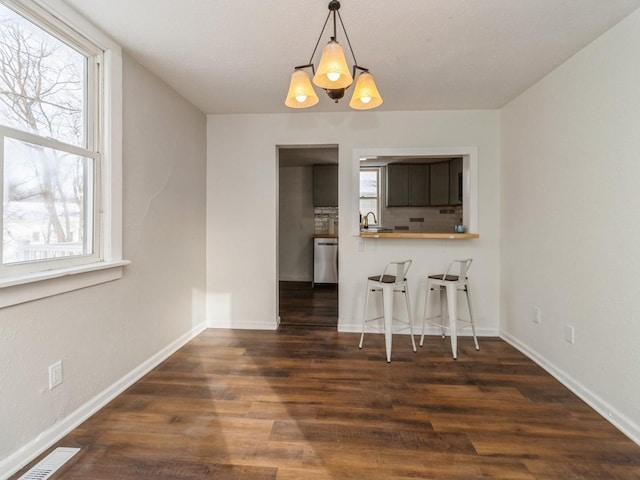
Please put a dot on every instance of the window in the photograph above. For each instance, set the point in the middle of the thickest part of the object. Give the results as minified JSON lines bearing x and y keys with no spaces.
{"x":370,"y":193}
{"x":60,"y":144}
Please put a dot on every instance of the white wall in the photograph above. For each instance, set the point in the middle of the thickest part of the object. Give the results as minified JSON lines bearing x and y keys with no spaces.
{"x":570,"y":229}
{"x":241,"y":172}
{"x":106,"y":333}
{"x":297,"y":224}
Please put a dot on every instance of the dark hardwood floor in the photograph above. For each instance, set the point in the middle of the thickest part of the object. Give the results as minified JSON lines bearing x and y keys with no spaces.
{"x":305,"y":306}
{"x":307,"y":404}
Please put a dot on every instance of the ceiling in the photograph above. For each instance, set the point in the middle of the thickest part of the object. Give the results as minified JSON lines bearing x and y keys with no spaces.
{"x":236,"y":56}
{"x":305,"y":155}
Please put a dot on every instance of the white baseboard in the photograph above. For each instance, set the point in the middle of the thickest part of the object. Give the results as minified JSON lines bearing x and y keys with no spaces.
{"x":609,"y":413}
{"x":236,"y":325}
{"x":29,"y":451}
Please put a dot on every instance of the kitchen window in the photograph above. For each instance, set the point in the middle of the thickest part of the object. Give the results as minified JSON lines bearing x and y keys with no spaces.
{"x":370,"y":193}
{"x":60,"y":146}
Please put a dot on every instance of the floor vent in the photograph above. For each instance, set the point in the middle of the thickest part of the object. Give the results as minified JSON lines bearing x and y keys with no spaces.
{"x":52,"y":462}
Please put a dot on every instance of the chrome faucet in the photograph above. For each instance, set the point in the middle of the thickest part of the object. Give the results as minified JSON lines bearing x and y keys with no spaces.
{"x":366,"y":219}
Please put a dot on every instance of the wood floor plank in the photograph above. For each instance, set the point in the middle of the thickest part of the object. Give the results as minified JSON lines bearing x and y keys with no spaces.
{"x":307,"y":404}
{"x":304,"y":305}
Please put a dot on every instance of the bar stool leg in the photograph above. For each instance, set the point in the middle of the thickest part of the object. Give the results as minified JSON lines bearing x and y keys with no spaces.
{"x":473,"y":325}
{"x":387,"y":303}
{"x":442,"y":293}
{"x":406,"y":297}
{"x":364,"y":315}
{"x":452,"y":291}
{"x":426,"y":311}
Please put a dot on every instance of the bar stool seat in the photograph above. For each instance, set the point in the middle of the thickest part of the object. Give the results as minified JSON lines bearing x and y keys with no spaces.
{"x":389,"y":284}
{"x":450,"y":284}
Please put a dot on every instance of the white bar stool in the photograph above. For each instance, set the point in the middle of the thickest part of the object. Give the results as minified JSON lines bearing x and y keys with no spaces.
{"x":389,"y":284}
{"x":451,"y":284}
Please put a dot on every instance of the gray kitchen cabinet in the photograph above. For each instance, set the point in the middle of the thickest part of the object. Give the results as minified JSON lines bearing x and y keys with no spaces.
{"x":455,"y":181}
{"x":408,"y":185}
{"x":419,"y":187}
{"x":325,"y":185}
{"x":425,"y":184}
{"x":397,"y":185}
{"x":439,"y":184}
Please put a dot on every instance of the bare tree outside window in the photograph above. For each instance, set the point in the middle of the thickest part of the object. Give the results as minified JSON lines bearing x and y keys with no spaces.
{"x":46,"y":189}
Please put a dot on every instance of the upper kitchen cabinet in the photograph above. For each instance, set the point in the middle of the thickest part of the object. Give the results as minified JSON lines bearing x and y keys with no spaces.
{"x":455,"y":181}
{"x":408,"y":185}
{"x":439,"y":183}
{"x":397,"y":185}
{"x":325,"y":185}
{"x":419,"y":187}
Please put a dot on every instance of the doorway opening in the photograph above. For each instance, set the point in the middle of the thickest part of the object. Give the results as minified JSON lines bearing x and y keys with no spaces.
{"x":307,"y":236}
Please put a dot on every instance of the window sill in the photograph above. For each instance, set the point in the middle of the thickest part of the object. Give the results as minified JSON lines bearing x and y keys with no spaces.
{"x":26,"y":288}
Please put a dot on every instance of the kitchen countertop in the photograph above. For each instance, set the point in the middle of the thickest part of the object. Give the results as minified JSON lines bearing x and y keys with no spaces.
{"x":406,"y":234}
{"x":324,"y":235}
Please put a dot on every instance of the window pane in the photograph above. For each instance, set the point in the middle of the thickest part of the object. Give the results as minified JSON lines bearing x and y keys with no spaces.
{"x":369,"y":205}
{"x":47,"y":204}
{"x":368,"y":183}
{"x":42,"y":86}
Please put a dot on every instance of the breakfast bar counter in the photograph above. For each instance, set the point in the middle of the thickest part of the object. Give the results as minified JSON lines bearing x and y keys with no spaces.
{"x":401,"y":234}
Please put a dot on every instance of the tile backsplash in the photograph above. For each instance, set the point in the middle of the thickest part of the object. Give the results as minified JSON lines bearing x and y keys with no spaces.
{"x":323,"y":217}
{"x":410,"y":219}
{"x":422,"y":219}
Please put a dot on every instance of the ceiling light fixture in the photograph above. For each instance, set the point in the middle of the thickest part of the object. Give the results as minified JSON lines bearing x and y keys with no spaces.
{"x":333,"y":74}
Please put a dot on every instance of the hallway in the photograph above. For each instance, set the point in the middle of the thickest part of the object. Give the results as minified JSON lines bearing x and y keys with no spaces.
{"x":304,"y":306}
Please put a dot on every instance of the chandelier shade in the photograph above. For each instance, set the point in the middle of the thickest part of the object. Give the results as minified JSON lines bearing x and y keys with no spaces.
{"x":365,"y":93}
{"x":333,"y":74}
{"x":301,"y":93}
{"x":333,"y":71}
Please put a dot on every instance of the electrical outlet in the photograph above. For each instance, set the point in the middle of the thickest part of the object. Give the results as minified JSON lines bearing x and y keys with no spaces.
{"x":361,"y":245}
{"x":570,"y":334}
{"x":537,"y":315}
{"x":55,"y":374}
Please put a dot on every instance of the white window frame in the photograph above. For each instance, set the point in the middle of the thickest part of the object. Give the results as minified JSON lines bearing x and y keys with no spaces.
{"x":107,"y":265}
{"x":378,"y":196}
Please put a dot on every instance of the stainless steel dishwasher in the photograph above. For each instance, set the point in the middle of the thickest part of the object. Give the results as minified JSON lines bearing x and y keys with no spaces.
{"x":325,"y":260}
